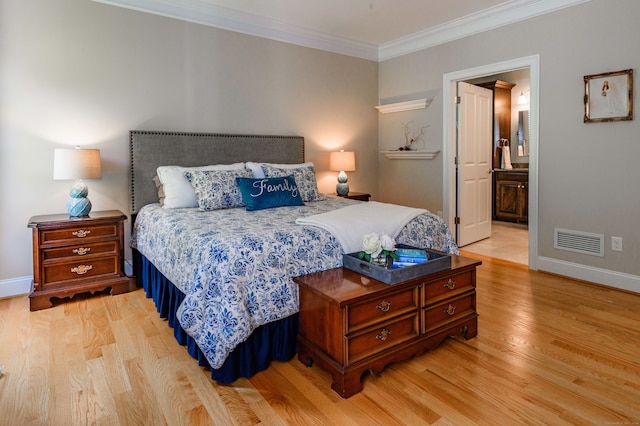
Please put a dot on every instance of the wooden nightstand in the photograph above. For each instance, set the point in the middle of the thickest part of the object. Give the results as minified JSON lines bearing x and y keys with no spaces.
{"x":357,"y":196}
{"x":77,"y":254}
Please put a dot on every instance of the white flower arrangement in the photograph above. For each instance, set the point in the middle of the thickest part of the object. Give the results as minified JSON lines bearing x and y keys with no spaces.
{"x":374,"y":246}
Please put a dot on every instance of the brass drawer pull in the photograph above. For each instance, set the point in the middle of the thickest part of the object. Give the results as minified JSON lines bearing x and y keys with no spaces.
{"x":450,"y":284}
{"x":384,"y":306}
{"x":384,"y":333}
{"x":450,"y":310}
{"x":82,"y":269}
{"x":81,"y":233}
{"x":81,"y":251}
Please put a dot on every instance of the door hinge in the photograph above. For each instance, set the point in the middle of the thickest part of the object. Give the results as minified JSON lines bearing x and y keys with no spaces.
{"x":457,"y":220}
{"x":458,"y":100}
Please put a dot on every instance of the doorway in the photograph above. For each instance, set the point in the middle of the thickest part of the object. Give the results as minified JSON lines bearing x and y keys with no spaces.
{"x":450,"y":81}
{"x":508,"y":241}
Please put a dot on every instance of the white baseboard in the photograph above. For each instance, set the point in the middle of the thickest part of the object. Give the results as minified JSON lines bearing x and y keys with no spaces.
{"x":587,"y":273}
{"x":15,"y":287}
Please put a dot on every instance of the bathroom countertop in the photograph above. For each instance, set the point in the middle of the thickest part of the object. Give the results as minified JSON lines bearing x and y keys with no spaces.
{"x":514,"y":170}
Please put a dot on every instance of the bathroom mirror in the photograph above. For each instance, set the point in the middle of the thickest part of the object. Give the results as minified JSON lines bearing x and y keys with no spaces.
{"x":523,"y":133}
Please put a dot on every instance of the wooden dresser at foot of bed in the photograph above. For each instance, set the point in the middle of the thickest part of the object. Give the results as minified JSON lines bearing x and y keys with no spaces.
{"x":350,"y":323}
{"x":74,"y":255}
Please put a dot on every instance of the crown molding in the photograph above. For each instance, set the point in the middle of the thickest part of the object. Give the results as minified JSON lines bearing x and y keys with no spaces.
{"x":200,"y":12}
{"x":494,"y":17}
{"x":204,"y":13}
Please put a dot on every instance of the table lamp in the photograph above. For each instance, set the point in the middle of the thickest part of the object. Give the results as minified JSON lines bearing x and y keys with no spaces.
{"x":77,"y":164}
{"x":342,"y":161}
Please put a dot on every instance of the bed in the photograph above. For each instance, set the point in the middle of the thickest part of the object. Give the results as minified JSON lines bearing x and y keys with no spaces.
{"x":220,"y":272}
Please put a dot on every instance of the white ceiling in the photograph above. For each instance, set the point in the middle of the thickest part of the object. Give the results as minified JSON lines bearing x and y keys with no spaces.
{"x":370,"y":29}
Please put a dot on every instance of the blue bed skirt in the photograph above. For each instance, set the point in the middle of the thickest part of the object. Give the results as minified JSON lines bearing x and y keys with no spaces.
{"x":273,"y":341}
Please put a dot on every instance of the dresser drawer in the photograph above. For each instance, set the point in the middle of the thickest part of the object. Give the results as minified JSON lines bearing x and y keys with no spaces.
{"x":448,"y":286}
{"x":450,"y":310}
{"x":80,"y":250}
{"x":381,"y":308}
{"x":79,"y":270}
{"x":376,"y":339}
{"x":72,"y":235}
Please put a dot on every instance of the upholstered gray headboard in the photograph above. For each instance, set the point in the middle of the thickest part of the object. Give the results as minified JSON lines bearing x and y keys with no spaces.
{"x":150,"y":149}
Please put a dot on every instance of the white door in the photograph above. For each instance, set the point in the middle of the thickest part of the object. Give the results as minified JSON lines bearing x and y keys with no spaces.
{"x":474,"y":163}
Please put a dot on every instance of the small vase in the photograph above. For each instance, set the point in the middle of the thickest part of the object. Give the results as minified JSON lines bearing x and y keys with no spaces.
{"x":382,"y":260}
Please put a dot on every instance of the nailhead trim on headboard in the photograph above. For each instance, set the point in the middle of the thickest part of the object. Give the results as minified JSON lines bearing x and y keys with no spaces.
{"x":150,"y":149}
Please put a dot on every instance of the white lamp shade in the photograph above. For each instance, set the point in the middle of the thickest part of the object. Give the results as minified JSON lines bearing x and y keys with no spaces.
{"x":342,"y":161}
{"x":76,"y":164}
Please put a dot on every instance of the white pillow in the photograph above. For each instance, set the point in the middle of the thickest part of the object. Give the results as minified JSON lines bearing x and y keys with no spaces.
{"x":258,"y":172}
{"x":178,"y":192}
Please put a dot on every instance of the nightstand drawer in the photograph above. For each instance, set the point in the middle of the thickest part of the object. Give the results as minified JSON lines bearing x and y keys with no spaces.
{"x":72,"y":235}
{"x":447,"y":287}
{"x":382,"y":308}
{"x":450,"y":310}
{"x":83,"y":250}
{"x":381,"y":337}
{"x":79,"y":270}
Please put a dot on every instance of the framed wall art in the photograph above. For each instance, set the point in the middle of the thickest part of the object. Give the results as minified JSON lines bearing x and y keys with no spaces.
{"x":608,"y":96}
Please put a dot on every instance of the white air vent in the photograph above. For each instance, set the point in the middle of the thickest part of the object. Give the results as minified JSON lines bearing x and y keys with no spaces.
{"x":579,"y":242}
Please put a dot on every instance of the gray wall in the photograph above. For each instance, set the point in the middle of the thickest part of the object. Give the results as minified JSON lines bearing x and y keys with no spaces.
{"x":588,"y":173}
{"x":80,"y":72}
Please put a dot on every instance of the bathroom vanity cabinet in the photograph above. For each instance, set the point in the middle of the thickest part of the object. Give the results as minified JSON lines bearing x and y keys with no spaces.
{"x":511,"y":190}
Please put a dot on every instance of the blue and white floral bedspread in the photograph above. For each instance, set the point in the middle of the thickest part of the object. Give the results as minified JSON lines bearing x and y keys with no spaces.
{"x":236,"y":267}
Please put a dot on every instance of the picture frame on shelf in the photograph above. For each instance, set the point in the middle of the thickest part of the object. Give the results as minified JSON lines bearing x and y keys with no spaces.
{"x":608,"y":96}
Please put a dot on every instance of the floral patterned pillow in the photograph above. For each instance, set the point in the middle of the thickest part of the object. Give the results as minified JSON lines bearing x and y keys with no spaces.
{"x":305,"y":179}
{"x":217,"y":189}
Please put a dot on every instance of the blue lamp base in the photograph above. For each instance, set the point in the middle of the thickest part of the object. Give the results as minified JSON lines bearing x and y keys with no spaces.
{"x":79,"y":205}
{"x":342,"y":188}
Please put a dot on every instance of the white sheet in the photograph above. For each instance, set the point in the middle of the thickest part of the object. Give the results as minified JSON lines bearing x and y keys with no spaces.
{"x":349,"y":224}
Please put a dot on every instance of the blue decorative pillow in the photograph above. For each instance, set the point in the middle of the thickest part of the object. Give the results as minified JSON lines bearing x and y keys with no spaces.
{"x":305,"y":179}
{"x":217,"y":189}
{"x":267,"y":193}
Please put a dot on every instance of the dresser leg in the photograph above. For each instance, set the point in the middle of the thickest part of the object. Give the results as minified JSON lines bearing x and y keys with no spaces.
{"x":122,"y":286}
{"x":470,"y":330}
{"x":347,"y":384}
{"x":39,"y":302}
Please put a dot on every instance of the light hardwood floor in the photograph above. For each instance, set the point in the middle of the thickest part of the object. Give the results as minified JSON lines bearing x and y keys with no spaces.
{"x":508,"y":241}
{"x":550,"y":351}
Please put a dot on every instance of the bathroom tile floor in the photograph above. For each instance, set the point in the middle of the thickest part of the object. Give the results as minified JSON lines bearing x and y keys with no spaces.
{"x":508,"y":241}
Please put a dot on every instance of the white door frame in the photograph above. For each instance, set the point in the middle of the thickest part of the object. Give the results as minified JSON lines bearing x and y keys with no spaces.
{"x":449,"y":189}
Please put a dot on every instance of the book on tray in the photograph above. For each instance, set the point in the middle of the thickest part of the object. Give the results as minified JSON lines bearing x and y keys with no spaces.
{"x":410,"y":257}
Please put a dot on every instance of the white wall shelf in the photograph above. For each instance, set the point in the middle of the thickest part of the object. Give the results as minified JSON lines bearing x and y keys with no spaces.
{"x":410,"y":155}
{"x":404,"y":106}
